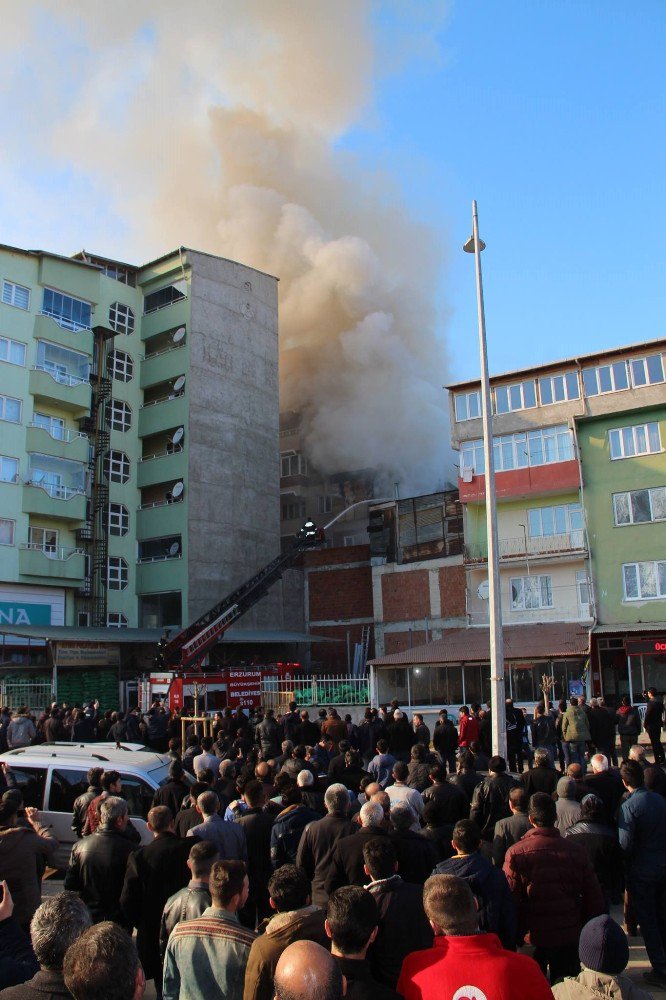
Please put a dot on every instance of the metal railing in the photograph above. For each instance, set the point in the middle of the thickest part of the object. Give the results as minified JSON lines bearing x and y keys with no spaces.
{"x":171,"y":450}
{"x":64,"y":436}
{"x":160,"y":503}
{"x":165,"y":305}
{"x":165,"y":350}
{"x":542,"y":545}
{"x":62,"y":378}
{"x":336,"y":689}
{"x":66,"y":324}
{"x":163,"y":558}
{"x":53,"y":551}
{"x":56,"y":491}
{"x":163,"y":399}
{"x":36,"y":694}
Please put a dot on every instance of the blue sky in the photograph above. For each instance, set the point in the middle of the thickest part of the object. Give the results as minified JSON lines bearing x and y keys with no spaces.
{"x":551,"y":115}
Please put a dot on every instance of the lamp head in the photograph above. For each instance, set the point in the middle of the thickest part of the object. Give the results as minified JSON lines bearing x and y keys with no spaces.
{"x":469,"y":247}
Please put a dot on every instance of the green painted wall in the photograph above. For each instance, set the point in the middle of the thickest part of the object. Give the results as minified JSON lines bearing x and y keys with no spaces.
{"x":612,"y":546}
{"x":508,"y":513}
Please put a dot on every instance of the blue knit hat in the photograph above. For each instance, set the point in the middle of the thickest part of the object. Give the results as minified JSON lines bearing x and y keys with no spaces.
{"x":603,"y":946}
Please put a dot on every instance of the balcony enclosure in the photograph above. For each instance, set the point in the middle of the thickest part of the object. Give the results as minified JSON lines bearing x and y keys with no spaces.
{"x":65,"y":366}
{"x":157,"y":549}
{"x":59,"y":477}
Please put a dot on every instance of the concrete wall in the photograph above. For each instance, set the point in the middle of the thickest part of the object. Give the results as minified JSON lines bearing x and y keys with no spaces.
{"x":234,"y":525}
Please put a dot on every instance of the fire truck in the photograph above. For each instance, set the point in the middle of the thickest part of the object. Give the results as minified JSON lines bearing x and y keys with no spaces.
{"x":178,"y":673}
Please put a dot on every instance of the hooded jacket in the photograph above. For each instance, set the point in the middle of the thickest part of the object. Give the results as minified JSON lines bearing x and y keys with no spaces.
{"x":20,"y":732}
{"x":589,"y":985}
{"x":287,"y":831}
{"x":305,"y":924}
{"x":575,"y":727}
{"x":497,"y":913}
{"x":628,"y":721}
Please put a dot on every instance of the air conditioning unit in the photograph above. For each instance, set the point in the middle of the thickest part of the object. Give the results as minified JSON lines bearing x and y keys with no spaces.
{"x":467,"y":474}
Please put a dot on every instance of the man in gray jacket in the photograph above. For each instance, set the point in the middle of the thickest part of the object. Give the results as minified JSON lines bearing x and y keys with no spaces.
{"x":229,"y":838}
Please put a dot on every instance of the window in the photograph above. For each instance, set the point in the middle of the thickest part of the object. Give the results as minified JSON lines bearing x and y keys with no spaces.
{"x":115,"y":619}
{"x":468,"y":405}
{"x":138,"y":794}
{"x":517,"y":451}
{"x":640,"y":506}
{"x":646,"y":371}
{"x":7,"y":529}
{"x":117,"y":575}
{"x":66,"y":786}
{"x":9,"y":468}
{"x":324,"y":505}
{"x":166,"y":547}
{"x":12,"y":351}
{"x":118,"y":519}
{"x":293,"y":510}
{"x":120,"y":366}
{"x":292,"y":463}
{"x":118,"y":415}
{"x":165,"y":296}
{"x":30,"y":781}
{"x":121,"y":318}
{"x":583,"y":591}
{"x":70,"y":313}
{"x":558,"y":388}
{"x":644,"y":581}
{"x":605,"y":378}
{"x":15,"y":295}
{"x":45,"y":539}
{"x":519,"y":396}
{"x":641,"y":439}
{"x":160,"y":610}
{"x":55,"y":426}
{"x":65,"y":366}
{"x":117,"y":466}
{"x":561,"y":519}
{"x":10,"y":409}
{"x":529,"y":593}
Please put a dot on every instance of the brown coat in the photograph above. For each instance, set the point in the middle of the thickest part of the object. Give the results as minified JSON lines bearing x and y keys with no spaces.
{"x":306,"y":924}
{"x":19,"y":849}
{"x":335,"y":729}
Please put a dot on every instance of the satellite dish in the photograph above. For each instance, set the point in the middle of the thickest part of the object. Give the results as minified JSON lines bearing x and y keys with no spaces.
{"x":174,"y":549}
{"x":177,"y":490}
{"x":483,"y":590}
{"x":179,"y":335}
{"x":179,"y":383}
{"x":178,"y":436}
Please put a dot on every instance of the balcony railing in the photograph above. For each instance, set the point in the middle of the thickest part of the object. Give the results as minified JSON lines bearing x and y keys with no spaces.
{"x":63,"y":321}
{"x":53,"y":551}
{"x":63,"y":435}
{"x":164,"y":350}
{"x":162,"y":399}
{"x":531,"y":547}
{"x":160,"y":503}
{"x":163,"y":558}
{"x":173,"y":449}
{"x":63,"y":378}
{"x":56,"y":490}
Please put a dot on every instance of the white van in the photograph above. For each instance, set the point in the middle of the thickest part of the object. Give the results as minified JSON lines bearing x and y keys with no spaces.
{"x":52,"y":775}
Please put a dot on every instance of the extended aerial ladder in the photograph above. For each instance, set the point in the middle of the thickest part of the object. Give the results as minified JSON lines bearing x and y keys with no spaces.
{"x":190,"y":644}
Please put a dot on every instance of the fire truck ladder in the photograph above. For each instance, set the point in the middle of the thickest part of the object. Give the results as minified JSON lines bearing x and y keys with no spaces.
{"x":189,"y":645}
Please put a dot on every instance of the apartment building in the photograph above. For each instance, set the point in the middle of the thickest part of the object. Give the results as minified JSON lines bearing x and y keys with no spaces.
{"x":139,"y":429}
{"x":560,"y":431}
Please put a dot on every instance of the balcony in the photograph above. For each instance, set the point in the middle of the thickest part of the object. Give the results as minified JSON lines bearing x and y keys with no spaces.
{"x":573,"y":543}
{"x":61,"y":566}
{"x":60,"y":503}
{"x":162,"y":467}
{"x":161,"y":518}
{"x":168,"y":317}
{"x":165,"y":365}
{"x":68,"y":391}
{"x":160,"y":575}
{"x":162,"y":414}
{"x":46,"y":328}
{"x":73,"y":445}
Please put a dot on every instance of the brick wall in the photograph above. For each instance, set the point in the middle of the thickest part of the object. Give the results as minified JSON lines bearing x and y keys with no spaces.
{"x":397,"y":642}
{"x":333,"y":656}
{"x":340,"y":593}
{"x":452,"y":591}
{"x":406,"y":595}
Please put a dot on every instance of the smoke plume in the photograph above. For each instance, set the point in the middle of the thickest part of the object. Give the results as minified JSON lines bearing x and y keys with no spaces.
{"x":217,"y":125}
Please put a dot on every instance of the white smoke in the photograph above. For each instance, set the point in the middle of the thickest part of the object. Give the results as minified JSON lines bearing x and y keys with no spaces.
{"x":216,"y":125}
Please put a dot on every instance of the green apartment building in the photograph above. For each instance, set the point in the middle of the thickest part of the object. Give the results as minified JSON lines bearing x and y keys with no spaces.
{"x":139,"y":439}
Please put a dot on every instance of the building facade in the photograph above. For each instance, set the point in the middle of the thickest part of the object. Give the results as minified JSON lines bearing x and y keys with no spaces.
{"x":139,"y":420}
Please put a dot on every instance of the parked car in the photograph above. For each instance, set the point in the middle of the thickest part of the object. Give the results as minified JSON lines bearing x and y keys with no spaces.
{"x":52,"y":775}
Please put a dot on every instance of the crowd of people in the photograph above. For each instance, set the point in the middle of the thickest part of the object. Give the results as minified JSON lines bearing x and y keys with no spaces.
{"x":297,"y":858}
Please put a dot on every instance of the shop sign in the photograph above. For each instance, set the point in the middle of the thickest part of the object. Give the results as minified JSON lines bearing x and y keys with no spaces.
{"x":656,"y":646}
{"x":13,"y":613}
{"x":88,"y":654}
{"x":244,"y":688}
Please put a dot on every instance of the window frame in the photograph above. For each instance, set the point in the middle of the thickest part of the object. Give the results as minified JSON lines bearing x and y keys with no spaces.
{"x":10,"y":521}
{"x":115,"y":464}
{"x":60,"y":424}
{"x":115,"y":407}
{"x":122,"y":318}
{"x":644,"y":360}
{"x":634,"y":428}
{"x":11,"y":301}
{"x":567,"y":398}
{"x":13,"y":343}
{"x":122,"y":621}
{"x":656,"y":563}
{"x":3,"y":405}
{"x":629,"y":494}
{"x":611,"y":366}
{"x":301,"y":462}
{"x":64,"y":321}
{"x":48,"y":548}
{"x":117,"y":572}
{"x":15,"y":478}
{"x":568,"y":508}
{"x":115,"y":520}
{"x":123,"y":372}
{"x":541,"y":577}
{"x":509,"y":387}
{"x":466,"y":397}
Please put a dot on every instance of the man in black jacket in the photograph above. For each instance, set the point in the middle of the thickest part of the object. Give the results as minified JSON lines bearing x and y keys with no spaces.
{"x":509,"y":831}
{"x":80,"y":810}
{"x":453,"y":802}
{"x":319,"y":840}
{"x":490,"y":801}
{"x":654,"y":721}
{"x":98,"y":862}
{"x":174,"y":791}
{"x":445,"y":740}
{"x":542,"y":777}
{"x":352,"y":919}
{"x":257,"y":825}
{"x":306,"y":732}
{"x":403,"y":925}
{"x":153,"y":874}
{"x":347,"y":863}
{"x":416,"y":854}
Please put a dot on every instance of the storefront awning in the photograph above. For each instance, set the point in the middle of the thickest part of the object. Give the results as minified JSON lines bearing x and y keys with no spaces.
{"x":640,"y":627}
{"x":536,"y":641}
{"x":65,"y":633}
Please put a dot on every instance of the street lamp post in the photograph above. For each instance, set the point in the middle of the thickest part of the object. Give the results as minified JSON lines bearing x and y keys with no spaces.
{"x":497,"y":690}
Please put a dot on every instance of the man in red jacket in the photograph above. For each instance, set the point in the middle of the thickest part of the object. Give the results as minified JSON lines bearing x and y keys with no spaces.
{"x":555,"y":889}
{"x":464,"y":963}
{"x":468,"y":727}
